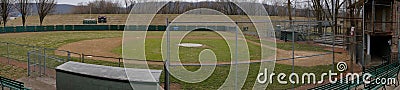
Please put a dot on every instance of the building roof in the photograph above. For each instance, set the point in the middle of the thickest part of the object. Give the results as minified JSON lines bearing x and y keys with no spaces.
{"x":117,"y":73}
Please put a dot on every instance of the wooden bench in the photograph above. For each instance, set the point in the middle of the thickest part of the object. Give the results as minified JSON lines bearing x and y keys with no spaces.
{"x":12,"y":84}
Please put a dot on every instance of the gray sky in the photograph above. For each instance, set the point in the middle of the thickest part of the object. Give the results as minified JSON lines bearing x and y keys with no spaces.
{"x":73,"y":2}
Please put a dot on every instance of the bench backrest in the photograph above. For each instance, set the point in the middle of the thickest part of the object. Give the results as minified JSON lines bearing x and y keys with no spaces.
{"x":379,"y":70}
{"x":11,"y":83}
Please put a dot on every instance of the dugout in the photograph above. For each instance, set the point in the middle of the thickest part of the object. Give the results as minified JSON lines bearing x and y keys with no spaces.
{"x":287,"y":35}
{"x":81,"y":76}
{"x":89,"y":21}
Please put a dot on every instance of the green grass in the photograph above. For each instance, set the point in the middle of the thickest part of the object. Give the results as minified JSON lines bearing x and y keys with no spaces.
{"x":219,"y":47}
{"x":300,"y":47}
{"x":216,"y":44}
{"x":45,"y":39}
{"x":12,"y":72}
{"x":221,"y":72}
{"x":288,"y":45}
{"x":55,"y":39}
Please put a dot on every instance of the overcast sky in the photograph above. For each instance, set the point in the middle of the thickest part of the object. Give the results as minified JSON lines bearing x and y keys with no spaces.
{"x":73,"y":2}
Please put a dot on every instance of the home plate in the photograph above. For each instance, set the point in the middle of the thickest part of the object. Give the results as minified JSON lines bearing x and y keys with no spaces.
{"x":190,"y":45}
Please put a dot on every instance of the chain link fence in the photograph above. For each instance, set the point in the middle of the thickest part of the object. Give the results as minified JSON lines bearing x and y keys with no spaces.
{"x":42,"y":61}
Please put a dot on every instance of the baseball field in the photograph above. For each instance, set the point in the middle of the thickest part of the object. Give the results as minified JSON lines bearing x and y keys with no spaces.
{"x":109,"y":43}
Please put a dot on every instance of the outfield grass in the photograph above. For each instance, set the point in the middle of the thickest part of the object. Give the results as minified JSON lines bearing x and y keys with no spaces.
{"x":57,"y":39}
{"x":45,"y":39}
{"x":217,"y":44}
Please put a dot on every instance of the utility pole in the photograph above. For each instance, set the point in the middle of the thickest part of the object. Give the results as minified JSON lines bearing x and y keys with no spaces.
{"x":90,"y":11}
{"x":293,"y":38}
{"x":166,"y":63}
{"x":334,"y":19}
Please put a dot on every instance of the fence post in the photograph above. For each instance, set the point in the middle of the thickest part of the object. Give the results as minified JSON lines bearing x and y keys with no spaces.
{"x":39,"y":61}
{"x":28,"y":64}
{"x":8,"y":53}
{"x":35,"y":61}
{"x":119,"y":62}
{"x":69,"y":56}
{"x":83,"y":58}
{"x":44,"y":61}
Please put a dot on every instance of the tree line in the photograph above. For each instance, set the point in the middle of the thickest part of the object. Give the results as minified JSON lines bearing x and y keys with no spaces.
{"x":224,"y":6}
{"x":44,"y":7}
{"x":99,"y":7}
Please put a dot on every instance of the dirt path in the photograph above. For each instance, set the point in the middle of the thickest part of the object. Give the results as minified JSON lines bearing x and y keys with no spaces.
{"x":98,"y":47}
{"x":24,"y":65}
{"x":103,"y":47}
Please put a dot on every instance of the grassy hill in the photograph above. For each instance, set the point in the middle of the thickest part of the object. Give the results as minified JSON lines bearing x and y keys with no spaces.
{"x":76,"y":19}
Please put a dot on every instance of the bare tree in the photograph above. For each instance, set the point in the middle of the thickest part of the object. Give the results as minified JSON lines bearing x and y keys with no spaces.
{"x":23,"y":7}
{"x":6,"y":6}
{"x":128,"y":5}
{"x":327,"y":9}
{"x":277,"y":4}
{"x":44,"y":7}
{"x":99,"y":7}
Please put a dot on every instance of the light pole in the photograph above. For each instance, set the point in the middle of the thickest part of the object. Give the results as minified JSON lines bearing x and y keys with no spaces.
{"x":90,"y":10}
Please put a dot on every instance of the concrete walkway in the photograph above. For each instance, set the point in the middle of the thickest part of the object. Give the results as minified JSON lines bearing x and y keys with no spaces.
{"x":39,"y":83}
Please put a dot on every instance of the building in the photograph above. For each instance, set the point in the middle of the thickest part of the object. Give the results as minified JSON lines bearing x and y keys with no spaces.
{"x":379,"y":40}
